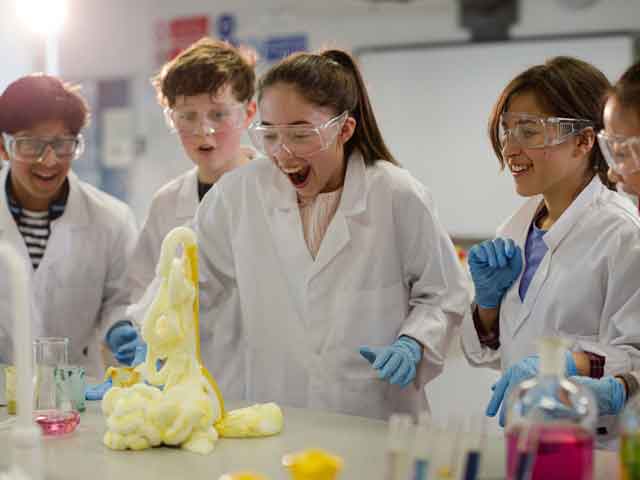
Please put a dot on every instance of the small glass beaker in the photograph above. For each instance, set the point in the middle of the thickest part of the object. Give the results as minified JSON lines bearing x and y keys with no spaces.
{"x":48,"y":353}
{"x":70,"y":384}
{"x":53,"y":408}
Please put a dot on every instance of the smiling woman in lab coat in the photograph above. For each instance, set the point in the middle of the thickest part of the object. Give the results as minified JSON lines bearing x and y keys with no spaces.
{"x":580,"y":241}
{"x":74,"y":238}
{"x":348,"y":284}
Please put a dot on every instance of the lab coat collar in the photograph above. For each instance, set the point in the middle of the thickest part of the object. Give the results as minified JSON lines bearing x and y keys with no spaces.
{"x":76,"y":213}
{"x":572,"y":215}
{"x":76,"y":206}
{"x":6,"y":219}
{"x":5,"y":213}
{"x":188,"y":195}
{"x":282,"y":194}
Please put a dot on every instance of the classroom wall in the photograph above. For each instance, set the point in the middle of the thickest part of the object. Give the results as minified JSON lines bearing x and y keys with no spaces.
{"x":17,"y":46}
{"x":114,"y":40}
{"x":106,"y":40}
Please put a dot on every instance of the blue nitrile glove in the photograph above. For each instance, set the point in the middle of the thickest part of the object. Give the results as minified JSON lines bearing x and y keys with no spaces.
{"x":494,"y":265}
{"x":514,"y":376}
{"x":609,"y":392}
{"x":122,"y":340}
{"x":96,"y":392}
{"x":397,"y":362}
{"x":140,"y":355}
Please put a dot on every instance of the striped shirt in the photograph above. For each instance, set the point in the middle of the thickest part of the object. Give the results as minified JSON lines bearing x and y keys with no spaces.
{"x":35,"y":227}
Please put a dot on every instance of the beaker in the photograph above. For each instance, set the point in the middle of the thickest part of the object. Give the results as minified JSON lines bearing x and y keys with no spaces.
{"x":53,"y":408}
{"x":70,"y":383}
{"x":48,"y":353}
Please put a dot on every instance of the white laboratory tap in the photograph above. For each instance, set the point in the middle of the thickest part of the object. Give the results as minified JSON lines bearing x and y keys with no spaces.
{"x":25,"y":436}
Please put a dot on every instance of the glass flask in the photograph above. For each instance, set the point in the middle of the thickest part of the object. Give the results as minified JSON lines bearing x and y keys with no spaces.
{"x":630,"y":440}
{"x":550,"y":423}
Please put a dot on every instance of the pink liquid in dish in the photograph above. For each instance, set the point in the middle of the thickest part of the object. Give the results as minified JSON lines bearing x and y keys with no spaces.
{"x":56,"y":422}
{"x":563,"y":452}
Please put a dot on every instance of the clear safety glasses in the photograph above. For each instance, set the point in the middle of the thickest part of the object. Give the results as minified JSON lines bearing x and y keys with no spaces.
{"x":297,"y":140}
{"x":221,"y":118}
{"x":622,"y":153}
{"x":533,"y":131}
{"x":32,"y":149}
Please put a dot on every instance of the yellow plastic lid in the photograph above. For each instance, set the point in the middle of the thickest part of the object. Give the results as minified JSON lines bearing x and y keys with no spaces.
{"x":313,"y":464}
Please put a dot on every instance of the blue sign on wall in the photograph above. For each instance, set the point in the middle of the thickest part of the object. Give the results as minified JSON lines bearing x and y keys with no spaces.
{"x":226,"y":26}
{"x":275,"y":48}
{"x":270,"y":49}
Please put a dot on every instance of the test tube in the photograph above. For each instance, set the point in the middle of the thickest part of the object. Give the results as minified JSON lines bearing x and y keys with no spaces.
{"x":445,"y":461}
{"x":422,"y":447}
{"x":476,"y":438}
{"x":398,"y":447}
{"x":527,"y":451}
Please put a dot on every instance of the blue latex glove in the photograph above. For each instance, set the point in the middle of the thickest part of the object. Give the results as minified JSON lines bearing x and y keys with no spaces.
{"x":609,"y":392}
{"x":96,"y":392}
{"x":494,"y":265}
{"x":514,"y":376}
{"x":397,"y":362}
{"x":122,"y":340}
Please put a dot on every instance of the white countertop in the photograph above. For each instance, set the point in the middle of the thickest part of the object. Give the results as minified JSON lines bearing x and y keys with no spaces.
{"x":361,"y":442}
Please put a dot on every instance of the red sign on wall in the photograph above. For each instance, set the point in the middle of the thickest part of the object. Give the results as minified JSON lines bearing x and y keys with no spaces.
{"x":175,"y":35}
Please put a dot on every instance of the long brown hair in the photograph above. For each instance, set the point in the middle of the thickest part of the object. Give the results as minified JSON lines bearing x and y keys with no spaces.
{"x":332,"y":79}
{"x":565,"y":87}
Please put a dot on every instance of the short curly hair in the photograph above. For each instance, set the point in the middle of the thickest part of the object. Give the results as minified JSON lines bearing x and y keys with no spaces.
{"x":205,"y":67}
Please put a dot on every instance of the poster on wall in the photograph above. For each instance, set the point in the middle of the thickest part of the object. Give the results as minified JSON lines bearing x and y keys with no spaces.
{"x":174,"y":35}
{"x":270,"y":48}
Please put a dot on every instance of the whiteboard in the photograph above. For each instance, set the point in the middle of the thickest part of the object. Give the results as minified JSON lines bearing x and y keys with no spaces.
{"x":433,"y":104}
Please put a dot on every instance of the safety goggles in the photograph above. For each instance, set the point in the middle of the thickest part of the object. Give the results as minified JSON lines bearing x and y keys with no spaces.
{"x":533,"y":131}
{"x":218,"y":119}
{"x":297,"y":140}
{"x":32,"y":149}
{"x":622,"y":153}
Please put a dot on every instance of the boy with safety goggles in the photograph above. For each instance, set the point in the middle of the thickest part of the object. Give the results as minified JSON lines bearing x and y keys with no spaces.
{"x":50,"y":217}
{"x":206,"y":92}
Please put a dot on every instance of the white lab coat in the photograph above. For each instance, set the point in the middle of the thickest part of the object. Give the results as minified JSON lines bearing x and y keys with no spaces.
{"x":386,"y":267}
{"x":585,"y":289}
{"x":172,"y":206}
{"x":78,"y":287}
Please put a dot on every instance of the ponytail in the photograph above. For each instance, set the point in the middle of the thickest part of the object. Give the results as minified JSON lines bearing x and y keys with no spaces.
{"x":332,"y":79}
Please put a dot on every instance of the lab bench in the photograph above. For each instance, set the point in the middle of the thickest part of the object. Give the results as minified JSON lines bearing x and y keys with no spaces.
{"x":361,"y":442}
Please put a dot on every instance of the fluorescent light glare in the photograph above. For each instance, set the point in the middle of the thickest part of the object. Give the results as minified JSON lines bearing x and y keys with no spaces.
{"x":43,"y":16}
